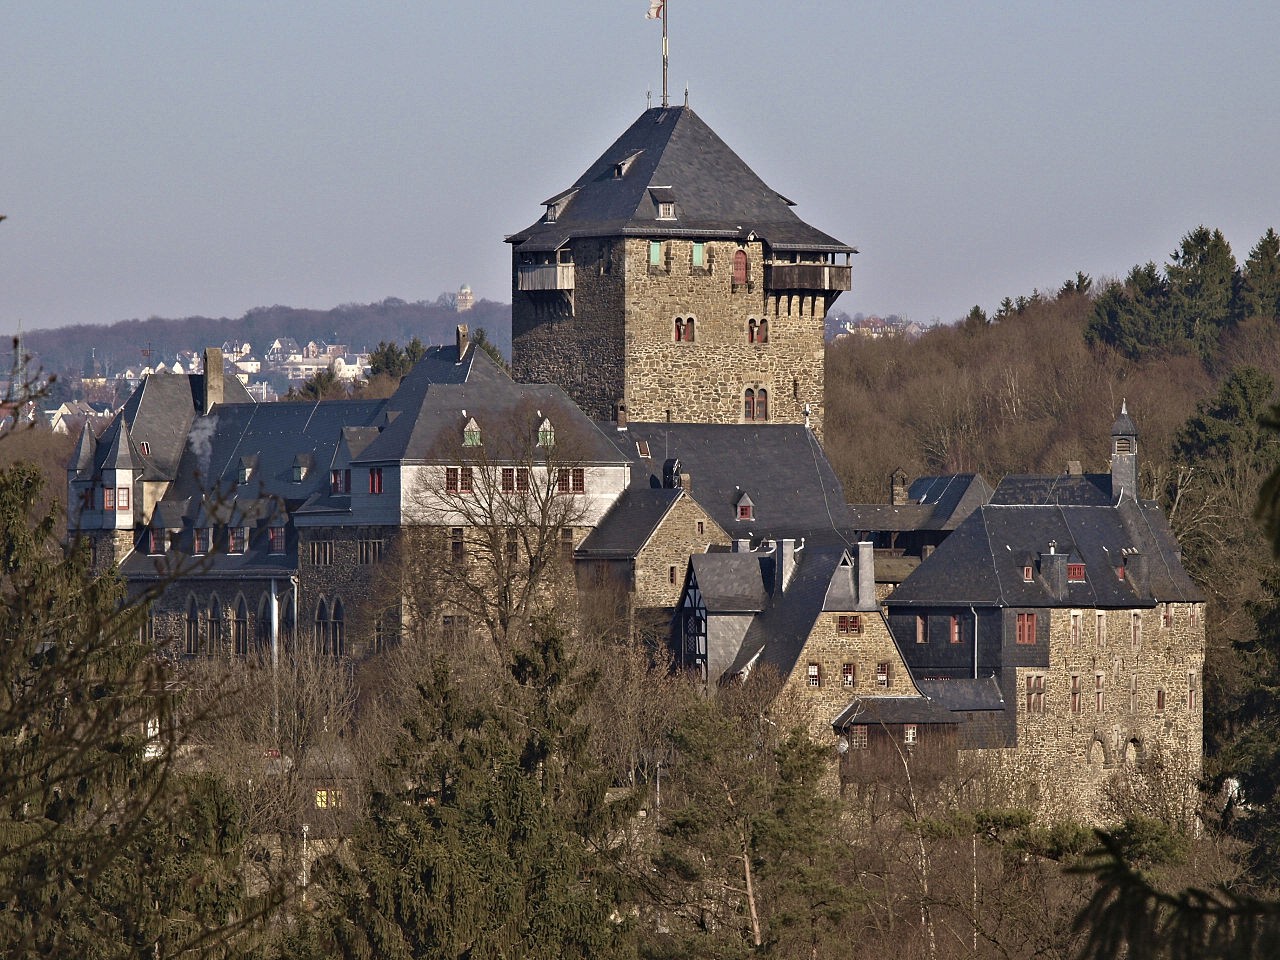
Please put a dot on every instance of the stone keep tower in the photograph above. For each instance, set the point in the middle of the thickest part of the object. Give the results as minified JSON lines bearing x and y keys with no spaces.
{"x":671,"y":280}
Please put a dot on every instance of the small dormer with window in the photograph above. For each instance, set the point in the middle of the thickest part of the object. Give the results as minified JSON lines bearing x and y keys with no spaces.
{"x":664,"y":202}
{"x":546,"y":433}
{"x":555,"y":206}
{"x":744,"y":508}
{"x":470,"y":432}
{"x":301,"y":468}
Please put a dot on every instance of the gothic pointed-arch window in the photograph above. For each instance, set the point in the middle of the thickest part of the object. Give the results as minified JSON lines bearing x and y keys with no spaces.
{"x":262,"y":631}
{"x":212,"y":640}
{"x":749,"y":404}
{"x":240,"y":629}
{"x":740,"y":267}
{"x":288,"y":623}
{"x":337,"y":630}
{"x":191,"y":636}
{"x":320,"y":632}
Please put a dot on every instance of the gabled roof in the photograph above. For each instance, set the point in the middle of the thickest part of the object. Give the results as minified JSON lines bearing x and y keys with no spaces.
{"x":963,"y":694}
{"x":982,"y":562}
{"x":670,"y":154}
{"x":873,"y":711}
{"x":632,"y":520}
{"x":937,"y":503}
{"x":781,"y":467}
{"x":730,"y":582}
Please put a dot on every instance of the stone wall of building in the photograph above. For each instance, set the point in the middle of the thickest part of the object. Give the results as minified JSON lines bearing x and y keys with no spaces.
{"x":1073,"y":760}
{"x":816,"y":706}
{"x":704,"y":380}
{"x":661,"y":565}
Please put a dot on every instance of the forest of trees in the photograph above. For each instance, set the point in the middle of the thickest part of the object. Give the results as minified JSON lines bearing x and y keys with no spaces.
{"x":556,"y":792}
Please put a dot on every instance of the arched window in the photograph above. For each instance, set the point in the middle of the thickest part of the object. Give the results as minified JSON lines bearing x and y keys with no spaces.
{"x":751,"y":331}
{"x":288,"y":623}
{"x":240,"y":629}
{"x":212,"y":641}
{"x":688,"y":330}
{"x":321,"y":631}
{"x":749,"y":405}
{"x":262,"y":633}
{"x":740,"y":267}
{"x":337,"y":631}
{"x":762,"y":404}
{"x":191,"y":634}
{"x":679,"y":329}
{"x":762,"y":332}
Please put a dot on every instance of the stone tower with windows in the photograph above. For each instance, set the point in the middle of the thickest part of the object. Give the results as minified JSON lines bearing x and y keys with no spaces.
{"x":669,"y":283}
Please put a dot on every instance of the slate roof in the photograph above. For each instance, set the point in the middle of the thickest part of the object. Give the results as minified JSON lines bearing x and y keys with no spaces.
{"x":963,"y":694}
{"x":670,"y":154}
{"x":781,"y":467}
{"x":982,"y":562}
{"x":873,"y":711}
{"x":731,"y":582}
{"x":631,"y":521}
{"x":1088,"y":489}
{"x":937,"y":503}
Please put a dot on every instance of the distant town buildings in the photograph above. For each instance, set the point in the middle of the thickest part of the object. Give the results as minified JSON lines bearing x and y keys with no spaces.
{"x":466,"y":299}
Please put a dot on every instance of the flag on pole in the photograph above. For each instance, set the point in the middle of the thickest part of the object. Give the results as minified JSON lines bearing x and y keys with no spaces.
{"x":655,"y":10}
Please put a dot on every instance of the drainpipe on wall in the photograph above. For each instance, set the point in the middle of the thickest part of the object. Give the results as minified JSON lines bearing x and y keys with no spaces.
{"x":974,"y":614}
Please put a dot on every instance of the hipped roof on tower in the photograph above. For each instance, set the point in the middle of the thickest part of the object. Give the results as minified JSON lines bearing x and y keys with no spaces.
{"x":670,"y":155}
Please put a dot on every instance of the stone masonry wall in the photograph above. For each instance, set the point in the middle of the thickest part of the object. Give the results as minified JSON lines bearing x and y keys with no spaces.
{"x":816,"y":707}
{"x":703,"y":381}
{"x":660,"y":566}
{"x":1070,"y":763}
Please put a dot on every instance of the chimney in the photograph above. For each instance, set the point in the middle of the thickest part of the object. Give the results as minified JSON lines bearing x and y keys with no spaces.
{"x":212,"y":378}
{"x":464,"y":340}
{"x":685,"y":484}
{"x":784,"y":563}
{"x":1074,"y":469}
{"x":898,"y":488}
{"x":867,"y":575}
{"x":621,"y":414}
{"x":742,"y":545}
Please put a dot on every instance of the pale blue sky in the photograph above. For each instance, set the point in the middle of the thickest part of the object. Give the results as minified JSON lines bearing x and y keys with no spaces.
{"x":208,"y":157}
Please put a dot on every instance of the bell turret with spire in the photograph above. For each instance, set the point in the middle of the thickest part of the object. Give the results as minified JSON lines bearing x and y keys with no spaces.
{"x":1124,"y":456}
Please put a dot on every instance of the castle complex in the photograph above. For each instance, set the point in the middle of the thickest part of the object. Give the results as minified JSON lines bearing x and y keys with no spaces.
{"x":668,"y":355}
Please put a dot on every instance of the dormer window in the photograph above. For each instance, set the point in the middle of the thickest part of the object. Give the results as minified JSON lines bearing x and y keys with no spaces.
{"x":746,"y":510}
{"x":666,"y":211}
{"x":1027,"y":573}
{"x":1075,"y":572}
{"x":550,"y":216}
{"x":546,"y":434}
{"x":471,"y":433}
{"x":299,"y":469}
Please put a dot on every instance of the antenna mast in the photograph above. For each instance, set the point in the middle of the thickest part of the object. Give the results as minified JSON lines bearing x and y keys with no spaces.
{"x":658,"y":9}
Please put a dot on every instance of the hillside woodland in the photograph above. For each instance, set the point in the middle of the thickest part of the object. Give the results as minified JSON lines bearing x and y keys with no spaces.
{"x":561,"y":794}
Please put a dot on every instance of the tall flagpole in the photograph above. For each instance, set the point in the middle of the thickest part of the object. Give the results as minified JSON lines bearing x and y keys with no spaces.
{"x":665,"y":101}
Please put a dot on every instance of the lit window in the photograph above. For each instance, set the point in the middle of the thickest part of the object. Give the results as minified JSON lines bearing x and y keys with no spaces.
{"x":815,"y":675}
{"x":909,"y":733}
{"x":848,"y":675}
{"x":328,"y":799}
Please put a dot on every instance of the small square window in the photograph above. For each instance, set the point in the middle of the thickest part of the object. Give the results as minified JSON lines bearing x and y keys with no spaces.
{"x":909,"y":733}
{"x":849,"y":623}
{"x":1075,"y":572}
{"x":857,"y":737}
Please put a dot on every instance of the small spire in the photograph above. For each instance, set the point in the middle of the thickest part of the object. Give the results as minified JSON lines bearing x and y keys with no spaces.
{"x":648,"y":99}
{"x":686,"y":94}
{"x":1124,"y":410}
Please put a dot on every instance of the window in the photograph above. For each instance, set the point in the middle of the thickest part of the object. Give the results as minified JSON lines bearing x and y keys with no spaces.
{"x":122,"y":498}
{"x":671,"y":574}
{"x":571,"y":480}
{"x":699,"y":256}
{"x":1120,"y":572}
{"x":849,"y":623}
{"x":848,"y":675}
{"x":1135,"y":627}
{"x":762,"y":332}
{"x":1123,"y":445}
{"x":546,"y":433}
{"x":375,"y":479}
{"x":857,"y":737}
{"x":522,"y":479}
{"x":953,"y":634}
{"x":328,"y":799}
{"x":1075,"y":572}
{"x":1075,"y":693}
{"x":762,"y":404}
{"x":1100,"y":621}
{"x":815,"y":675}
{"x":201,"y":540}
{"x":666,"y":210}
{"x":240,"y":629}
{"x":922,"y":628}
{"x":884,"y":673}
{"x":237,"y":539}
{"x":1035,"y":693}
{"x":1133,"y":693}
{"x":755,"y":404}
{"x":1166,"y":615}
{"x":508,"y":479}
{"x":909,"y":734}
{"x":191,"y":635}
{"x":275,"y":540}
{"x":701,"y":527}
{"x":513,"y":545}
{"x":684,"y":329}
{"x":1098,"y":685}
{"x":655,"y":253}
{"x":471,"y":434}
{"x":1191,"y":689}
{"x":1075,"y":626}
{"x":321,"y":553}
{"x":456,"y":548}
{"x":1159,"y":699}
{"x":1193,"y":614}
{"x":1026,"y":574}
{"x":155,"y":541}
{"x":746,"y":511}
{"x":369,"y":550}
{"x":749,"y":404}
{"x":337,"y":631}
{"x":145,"y":448}
{"x":456,"y":628}
{"x":751,"y":331}
{"x":1026,"y":628}
{"x":340,"y":481}
{"x":740,"y":267}
{"x":566,"y":543}
{"x":108,"y":498}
